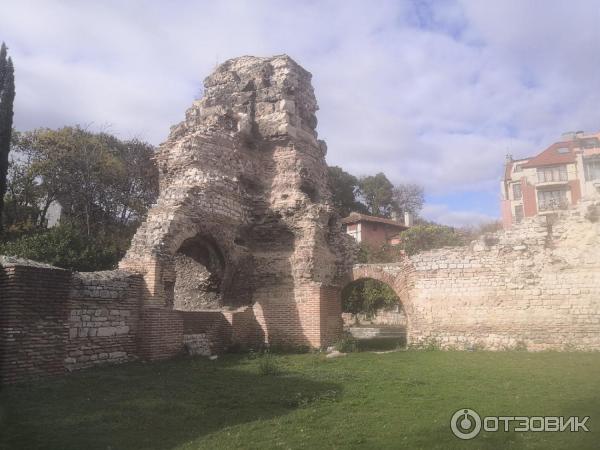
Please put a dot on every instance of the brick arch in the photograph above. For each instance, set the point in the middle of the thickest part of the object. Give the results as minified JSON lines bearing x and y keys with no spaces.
{"x":395,"y":276}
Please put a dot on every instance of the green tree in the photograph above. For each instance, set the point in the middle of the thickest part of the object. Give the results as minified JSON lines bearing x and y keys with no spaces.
{"x":99,"y":180}
{"x":377,"y":194}
{"x":104,"y":186}
{"x":7,"y":97}
{"x":23,"y":196}
{"x":367,"y":296}
{"x":344,"y":189}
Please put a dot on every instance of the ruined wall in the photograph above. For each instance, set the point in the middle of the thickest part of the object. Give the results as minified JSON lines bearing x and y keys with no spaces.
{"x":245,"y":172}
{"x":536,"y":286}
{"x":103,"y":318}
{"x":52,"y":320}
{"x":33,"y":316}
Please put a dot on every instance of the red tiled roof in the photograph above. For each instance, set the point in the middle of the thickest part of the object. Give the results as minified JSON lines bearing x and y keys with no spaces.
{"x":357,"y":217}
{"x":550,"y":156}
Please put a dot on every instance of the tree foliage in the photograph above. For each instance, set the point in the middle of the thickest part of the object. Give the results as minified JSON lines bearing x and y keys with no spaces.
{"x":386,"y":253}
{"x":368,"y":296}
{"x":420,"y":238}
{"x":98,"y":179}
{"x":376,"y":192}
{"x":344,"y":190}
{"x":66,"y":246}
{"x":104,"y":186}
{"x":382,"y":198}
{"x":7,"y":97}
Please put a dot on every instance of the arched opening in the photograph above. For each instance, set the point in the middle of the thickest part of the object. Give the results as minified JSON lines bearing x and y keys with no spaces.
{"x":199,"y":273}
{"x":373,"y":313}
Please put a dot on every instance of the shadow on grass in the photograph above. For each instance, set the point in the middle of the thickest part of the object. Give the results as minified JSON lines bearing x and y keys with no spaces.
{"x":149,"y":406}
{"x":380,"y":344}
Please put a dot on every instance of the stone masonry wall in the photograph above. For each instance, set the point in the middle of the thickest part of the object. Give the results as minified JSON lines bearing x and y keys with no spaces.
{"x":103,"y":318}
{"x":535,"y":287}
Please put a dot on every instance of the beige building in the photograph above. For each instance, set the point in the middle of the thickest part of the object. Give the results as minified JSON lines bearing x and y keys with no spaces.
{"x":556,"y":178}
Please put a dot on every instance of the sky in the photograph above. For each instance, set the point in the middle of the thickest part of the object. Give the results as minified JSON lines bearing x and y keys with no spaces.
{"x":429,"y":92}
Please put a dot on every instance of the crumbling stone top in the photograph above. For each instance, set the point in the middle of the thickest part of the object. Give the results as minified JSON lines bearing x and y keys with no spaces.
{"x":13,"y":261}
{"x":244,"y":212}
{"x":103,"y":276}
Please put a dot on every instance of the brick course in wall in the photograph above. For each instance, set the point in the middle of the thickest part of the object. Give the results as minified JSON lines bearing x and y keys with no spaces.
{"x":33,"y":316}
{"x":161,"y":333}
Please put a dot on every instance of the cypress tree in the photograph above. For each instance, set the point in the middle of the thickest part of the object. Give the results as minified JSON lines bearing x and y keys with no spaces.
{"x":7,"y":97}
{"x":3,"y":63}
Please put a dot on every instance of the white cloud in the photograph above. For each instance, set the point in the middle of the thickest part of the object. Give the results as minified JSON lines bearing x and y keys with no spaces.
{"x":431,"y":92}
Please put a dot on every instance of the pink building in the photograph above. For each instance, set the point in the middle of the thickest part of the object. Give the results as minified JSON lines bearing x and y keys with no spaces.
{"x":375,"y":231}
{"x":554,"y":179}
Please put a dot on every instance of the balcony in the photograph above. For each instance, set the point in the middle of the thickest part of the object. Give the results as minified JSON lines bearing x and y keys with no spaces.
{"x":552,"y":182}
{"x":553,"y":205}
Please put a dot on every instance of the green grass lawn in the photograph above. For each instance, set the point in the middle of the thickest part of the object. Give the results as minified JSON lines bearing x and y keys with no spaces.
{"x":364,"y":400}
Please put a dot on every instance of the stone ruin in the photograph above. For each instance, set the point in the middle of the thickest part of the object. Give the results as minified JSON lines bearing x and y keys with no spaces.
{"x":244,"y":219}
{"x":243,"y":247}
{"x":534,"y":287}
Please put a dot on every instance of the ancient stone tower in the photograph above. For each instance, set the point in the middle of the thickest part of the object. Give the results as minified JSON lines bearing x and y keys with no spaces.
{"x":243,"y":223}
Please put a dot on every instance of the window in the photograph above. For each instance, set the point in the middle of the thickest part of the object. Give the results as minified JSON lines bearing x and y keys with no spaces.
{"x":517,"y":194}
{"x":591,"y":169}
{"x":518,"y":213}
{"x":551,"y":200}
{"x":554,"y":173}
{"x":517,"y":168}
{"x":562,"y":150}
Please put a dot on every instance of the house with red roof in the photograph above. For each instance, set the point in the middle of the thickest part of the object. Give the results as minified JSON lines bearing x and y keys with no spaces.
{"x":556,"y":178}
{"x":375,"y":231}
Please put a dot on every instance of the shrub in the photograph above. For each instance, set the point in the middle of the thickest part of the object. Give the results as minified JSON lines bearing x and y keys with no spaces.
{"x":268,"y":365}
{"x":367,"y":296}
{"x":370,"y":254}
{"x":67,"y":247}
{"x":428,"y":237}
{"x":347,"y":344}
